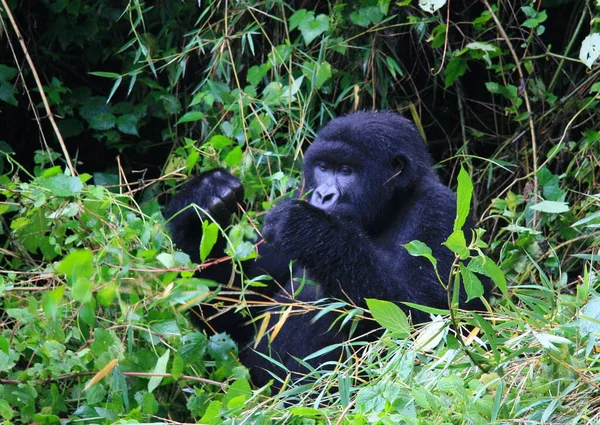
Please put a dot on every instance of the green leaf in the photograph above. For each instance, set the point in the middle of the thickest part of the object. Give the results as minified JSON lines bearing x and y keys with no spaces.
{"x":472,"y":284}
{"x":62,"y":186}
{"x":234,"y":157}
{"x":103,"y":121}
{"x":457,"y":243}
{"x":160,"y":368}
{"x":7,"y":93}
{"x":297,"y":18}
{"x":390,"y":316}
{"x":219,"y":142}
{"x":212,"y":415}
{"x":312,"y":27}
{"x":127,"y":124}
{"x":419,"y":249}
{"x":551,"y":207}
{"x":81,"y":290}
{"x":318,"y":74}
{"x":210,"y":233}
{"x":244,"y":251}
{"x":191,"y":116}
{"x":105,"y":74}
{"x":456,"y":68}
{"x":220,"y":346}
{"x":487,"y":267}
{"x":256,"y":73}
{"x":79,"y":268}
{"x":464,"y":193}
{"x":51,"y":302}
{"x":365,"y":16}
{"x":7,"y":73}
{"x":530,"y":23}
{"x":240,"y":388}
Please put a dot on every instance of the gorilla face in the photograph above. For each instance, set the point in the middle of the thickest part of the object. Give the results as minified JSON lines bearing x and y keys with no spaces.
{"x":349,"y":183}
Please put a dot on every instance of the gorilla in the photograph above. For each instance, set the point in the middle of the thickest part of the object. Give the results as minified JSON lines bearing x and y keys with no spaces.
{"x":371,"y":187}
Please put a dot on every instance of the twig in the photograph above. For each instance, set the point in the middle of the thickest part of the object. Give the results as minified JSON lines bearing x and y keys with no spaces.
{"x":445,"y":40}
{"x":525,"y":97}
{"x":39,"y":85}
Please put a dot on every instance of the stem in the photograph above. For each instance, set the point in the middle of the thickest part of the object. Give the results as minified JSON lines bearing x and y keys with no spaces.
{"x":527,"y":103}
{"x":39,"y":85}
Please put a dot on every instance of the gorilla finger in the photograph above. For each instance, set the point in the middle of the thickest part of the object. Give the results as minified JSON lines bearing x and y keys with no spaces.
{"x":218,"y":210}
{"x":230,"y":198}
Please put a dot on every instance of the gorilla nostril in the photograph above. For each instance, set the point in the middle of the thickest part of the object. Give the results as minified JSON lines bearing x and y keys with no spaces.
{"x":327,"y":198}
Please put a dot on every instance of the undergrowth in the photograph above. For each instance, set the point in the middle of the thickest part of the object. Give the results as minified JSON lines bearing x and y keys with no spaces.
{"x":94,"y":298}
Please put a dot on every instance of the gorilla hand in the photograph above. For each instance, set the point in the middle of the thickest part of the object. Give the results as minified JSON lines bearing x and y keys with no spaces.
{"x":291,"y":226}
{"x":215,"y":192}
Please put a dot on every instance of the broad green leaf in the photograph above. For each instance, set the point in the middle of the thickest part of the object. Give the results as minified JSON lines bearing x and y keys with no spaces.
{"x":7,"y":73}
{"x":103,"y":121}
{"x":234,"y":157}
{"x":472,"y":284}
{"x":219,"y":142}
{"x":81,"y":290}
{"x":244,"y":251}
{"x":61,"y":185}
{"x":419,"y":249}
{"x":487,"y":267}
{"x":464,"y":193}
{"x":51,"y":301}
{"x":160,"y":368}
{"x":390,"y":316}
{"x":210,"y":233}
{"x":456,"y":68}
{"x":311,"y":27}
{"x":296,"y":19}
{"x":166,"y":259}
{"x":127,"y":124}
{"x":457,"y":243}
{"x":240,"y":388}
{"x":191,"y":116}
{"x":551,"y":207}
{"x":256,"y":73}
{"x":7,"y":93}
{"x":220,"y":346}
{"x":77,"y":265}
{"x":212,"y":415}
{"x":365,"y":16}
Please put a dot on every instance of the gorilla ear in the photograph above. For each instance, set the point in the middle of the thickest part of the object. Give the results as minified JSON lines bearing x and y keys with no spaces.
{"x":398,"y":164}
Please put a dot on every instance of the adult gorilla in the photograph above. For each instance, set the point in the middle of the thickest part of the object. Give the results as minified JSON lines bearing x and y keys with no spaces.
{"x":372,"y":189}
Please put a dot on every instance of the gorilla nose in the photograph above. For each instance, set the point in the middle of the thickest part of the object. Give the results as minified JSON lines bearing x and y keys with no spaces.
{"x":325,"y":197}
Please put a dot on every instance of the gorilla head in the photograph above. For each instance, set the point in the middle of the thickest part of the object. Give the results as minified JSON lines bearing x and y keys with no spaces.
{"x":362,"y":164}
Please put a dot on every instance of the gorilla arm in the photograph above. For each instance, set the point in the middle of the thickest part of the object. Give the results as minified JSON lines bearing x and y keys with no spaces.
{"x":337,"y":254}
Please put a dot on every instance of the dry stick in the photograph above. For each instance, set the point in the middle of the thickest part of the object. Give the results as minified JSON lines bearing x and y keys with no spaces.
{"x":39,"y":85}
{"x":525,"y":96}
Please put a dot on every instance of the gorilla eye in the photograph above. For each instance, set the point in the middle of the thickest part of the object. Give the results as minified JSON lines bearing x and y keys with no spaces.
{"x":322,"y":166}
{"x":346,"y":170}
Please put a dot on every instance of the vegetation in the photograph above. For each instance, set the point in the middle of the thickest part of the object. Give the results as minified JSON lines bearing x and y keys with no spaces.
{"x":107,"y":106}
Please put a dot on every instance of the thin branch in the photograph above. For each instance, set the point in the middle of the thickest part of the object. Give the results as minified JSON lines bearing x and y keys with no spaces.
{"x":522,"y":83}
{"x":39,"y":85}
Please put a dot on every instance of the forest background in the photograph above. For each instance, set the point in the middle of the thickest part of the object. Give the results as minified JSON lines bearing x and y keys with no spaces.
{"x":107,"y":106}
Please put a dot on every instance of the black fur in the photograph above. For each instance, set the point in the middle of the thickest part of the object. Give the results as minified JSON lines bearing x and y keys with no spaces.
{"x":373,"y":189}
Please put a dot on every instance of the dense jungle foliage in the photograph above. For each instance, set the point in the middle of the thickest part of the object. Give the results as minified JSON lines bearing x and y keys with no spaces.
{"x":106,"y":107}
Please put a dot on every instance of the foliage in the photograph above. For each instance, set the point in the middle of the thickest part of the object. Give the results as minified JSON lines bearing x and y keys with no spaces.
{"x":94,"y":298}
